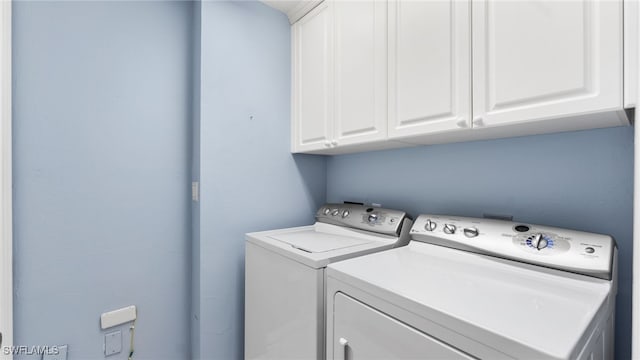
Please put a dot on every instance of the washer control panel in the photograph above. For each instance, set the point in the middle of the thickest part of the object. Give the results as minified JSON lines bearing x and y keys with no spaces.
{"x":380,"y":220}
{"x":569,"y":250}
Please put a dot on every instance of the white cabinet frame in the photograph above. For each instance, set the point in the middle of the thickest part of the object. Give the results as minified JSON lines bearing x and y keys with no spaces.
{"x":6,"y":237}
{"x":634,"y":75}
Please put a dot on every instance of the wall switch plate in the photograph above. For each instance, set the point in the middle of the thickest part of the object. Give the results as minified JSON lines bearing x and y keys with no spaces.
{"x":52,"y":354}
{"x":113,"y":343}
{"x":195,"y":191}
{"x":118,"y":317}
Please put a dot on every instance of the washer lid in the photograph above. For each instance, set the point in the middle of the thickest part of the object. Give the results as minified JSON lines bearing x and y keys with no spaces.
{"x":318,"y":242}
{"x":520,"y":310}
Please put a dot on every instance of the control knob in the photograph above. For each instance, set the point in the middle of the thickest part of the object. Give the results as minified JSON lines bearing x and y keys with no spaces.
{"x":335,"y":212}
{"x":449,"y":229}
{"x":372,"y":218}
{"x":471,"y":232}
{"x":430,"y":225}
{"x":345,"y":214}
{"x":326,"y":211}
{"x":538,"y":242}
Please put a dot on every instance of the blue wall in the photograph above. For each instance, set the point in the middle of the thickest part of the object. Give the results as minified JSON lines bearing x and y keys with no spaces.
{"x":249,"y":179}
{"x":581,"y":180}
{"x":118,"y":104}
{"x":101,"y":166}
{"x":194,"y":311}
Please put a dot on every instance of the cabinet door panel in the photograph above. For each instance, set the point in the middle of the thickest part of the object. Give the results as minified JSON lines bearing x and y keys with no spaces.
{"x":536,"y":60}
{"x":370,"y":334}
{"x":429,"y":67}
{"x":312,"y":80}
{"x":361,"y":71}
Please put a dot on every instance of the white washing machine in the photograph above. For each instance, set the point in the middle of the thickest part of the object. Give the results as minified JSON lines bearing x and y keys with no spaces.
{"x":467,"y":288}
{"x":285,"y":275}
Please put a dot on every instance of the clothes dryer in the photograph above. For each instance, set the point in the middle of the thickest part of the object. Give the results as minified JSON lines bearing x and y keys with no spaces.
{"x":468,"y":288}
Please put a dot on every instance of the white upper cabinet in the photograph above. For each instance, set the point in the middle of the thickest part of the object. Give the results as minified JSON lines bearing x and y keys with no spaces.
{"x":340,"y":76}
{"x":537,"y":60}
{"x":360,"y":71}
{"x":312,"y":101}
{"x":374,"y":74}
{"x":429,"y":67}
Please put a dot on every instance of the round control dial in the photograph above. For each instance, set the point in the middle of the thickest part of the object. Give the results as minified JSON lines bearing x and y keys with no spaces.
{"x":430,"y":225}
{"x":345,"y":214}
{"x":335,"y":212}
{"x":372,"y":218}
{"x":542,"y":243}
{"x":449,"y":229}
{"x":471,"y":232}
{"x":326,"y":211}
{"x":539,"y":241}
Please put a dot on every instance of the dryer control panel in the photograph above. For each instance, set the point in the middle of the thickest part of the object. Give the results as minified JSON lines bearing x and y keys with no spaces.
{"x":569,"y":250}
{"x":379,"y":220}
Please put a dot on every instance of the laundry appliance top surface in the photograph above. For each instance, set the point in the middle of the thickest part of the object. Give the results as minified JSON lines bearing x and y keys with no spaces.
{"x":518,"y":308}
{"x":341,"y":231}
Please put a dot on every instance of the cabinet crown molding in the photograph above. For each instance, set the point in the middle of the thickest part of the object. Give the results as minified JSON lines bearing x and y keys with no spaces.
{"x":294,"y":9}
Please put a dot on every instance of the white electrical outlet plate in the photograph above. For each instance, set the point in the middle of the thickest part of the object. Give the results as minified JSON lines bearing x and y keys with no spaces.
{"x":113,"y":343}
{"x":118,"y":317}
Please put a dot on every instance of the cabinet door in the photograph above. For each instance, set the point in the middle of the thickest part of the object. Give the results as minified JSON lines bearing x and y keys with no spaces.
{"x":360,"y":71}
{"x":361,"y":332}
{"x":312,"y":102}
{"x":535,"y":60}
{"x":429,"y":67}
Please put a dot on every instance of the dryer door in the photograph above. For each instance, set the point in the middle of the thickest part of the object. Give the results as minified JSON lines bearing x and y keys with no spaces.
{"x":363,"y":333}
